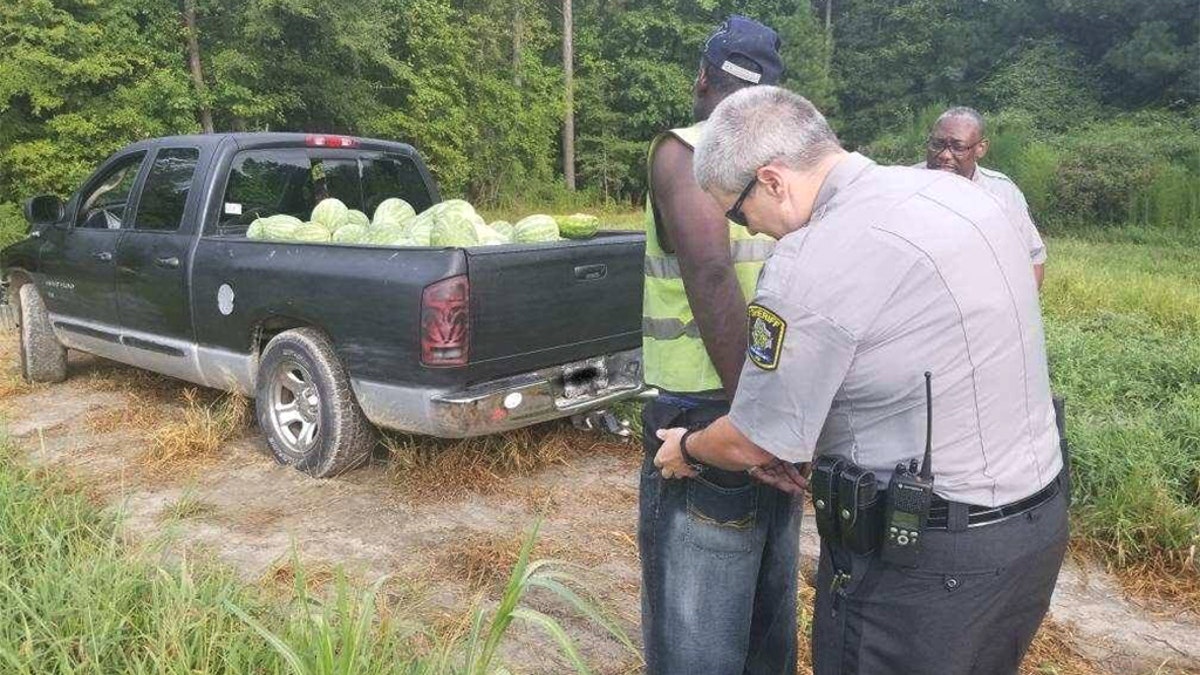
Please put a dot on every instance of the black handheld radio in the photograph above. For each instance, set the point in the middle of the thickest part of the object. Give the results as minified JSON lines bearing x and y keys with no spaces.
{"x":909,"y":496}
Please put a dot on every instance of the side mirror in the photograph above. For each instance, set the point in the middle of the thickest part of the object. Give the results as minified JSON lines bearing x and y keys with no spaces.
{"x":43,"y":210}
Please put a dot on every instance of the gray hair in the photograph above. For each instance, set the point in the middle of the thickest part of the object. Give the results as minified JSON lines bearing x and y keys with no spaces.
{"x":755,"y":127}
{"x":963,"y":111}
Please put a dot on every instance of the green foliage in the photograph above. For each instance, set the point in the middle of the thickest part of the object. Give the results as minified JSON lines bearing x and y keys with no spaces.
{"x":477,"y":86}
{"x":1141,"y":169}
{"x":78,"y":80}
{"x":12,"y":224}
{"x":1047,"y":81}
{"x":807,"y":53}
{"x":1123,"y":334}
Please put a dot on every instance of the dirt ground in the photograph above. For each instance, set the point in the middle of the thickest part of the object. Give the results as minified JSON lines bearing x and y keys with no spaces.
{"x":446,"y":525}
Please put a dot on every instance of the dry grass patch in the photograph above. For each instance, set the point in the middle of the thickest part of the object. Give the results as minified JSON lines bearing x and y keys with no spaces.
{"x":289,"y":573}
{"x":432,"y":469}
{"x":1162,"y":587}
{"x":197,"y":432}
{"x":483,"y":560}
{"x":1162,"y":584}
{"x":137,"y":415}
{"x":1054,"y":653}
{"x":11,"y":382}
{"x":103,"y":375}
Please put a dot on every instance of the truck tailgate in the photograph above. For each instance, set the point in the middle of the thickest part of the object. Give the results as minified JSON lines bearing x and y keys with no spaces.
{"x":548,"y":304}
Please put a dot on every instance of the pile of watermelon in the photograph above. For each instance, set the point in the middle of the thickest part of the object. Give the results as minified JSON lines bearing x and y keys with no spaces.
{"x":396,"y":223}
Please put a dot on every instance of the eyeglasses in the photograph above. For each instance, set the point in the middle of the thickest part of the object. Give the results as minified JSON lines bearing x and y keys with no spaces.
{"x":937,"y":145}
{"x":734,"y":214}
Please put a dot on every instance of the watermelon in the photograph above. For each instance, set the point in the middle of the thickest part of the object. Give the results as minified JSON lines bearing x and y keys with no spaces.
{"x":419,"y":229}
{"x":488,"y":236}
{"x":277,"y":227}
{"x":504,"y":227}
{"x":394,"y":210}
{"x":351,"y":233}
{"x":578,"y":226}
{"x":454,"y":227}
{"x":455,"y":206}
{"x":356,"y":217}
{"x":310,"y":233}
{"x":536,"y":228}
{"x":330,"y":214}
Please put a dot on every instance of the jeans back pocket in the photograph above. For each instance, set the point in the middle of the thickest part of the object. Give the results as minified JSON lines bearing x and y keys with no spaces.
{"x":721,"y":519}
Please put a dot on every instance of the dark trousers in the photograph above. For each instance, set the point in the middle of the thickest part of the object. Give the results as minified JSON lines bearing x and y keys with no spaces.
{"x":972,"y":606}
{"x":719,"y":556}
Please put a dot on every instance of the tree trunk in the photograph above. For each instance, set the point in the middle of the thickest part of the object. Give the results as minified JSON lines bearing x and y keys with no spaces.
{"x":518,"y":46}
{"x":828,"y":38}
{"x":568,"y":139}
{"x":193,"y":40}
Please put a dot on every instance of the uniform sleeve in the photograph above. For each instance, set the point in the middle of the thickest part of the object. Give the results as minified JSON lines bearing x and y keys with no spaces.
{"x":796,"y":362}
{"x":1019,"y":211}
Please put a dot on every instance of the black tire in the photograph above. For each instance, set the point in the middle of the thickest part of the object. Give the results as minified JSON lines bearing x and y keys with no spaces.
{"x":43,"y":358}
{"x":306,"y":407}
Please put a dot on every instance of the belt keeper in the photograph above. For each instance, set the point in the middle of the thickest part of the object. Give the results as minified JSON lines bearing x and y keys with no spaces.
{"x":957,"y":517}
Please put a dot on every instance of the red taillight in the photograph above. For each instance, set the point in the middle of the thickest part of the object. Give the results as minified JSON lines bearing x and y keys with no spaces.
{"x":327,"y":141}
{"x":446,"y":322}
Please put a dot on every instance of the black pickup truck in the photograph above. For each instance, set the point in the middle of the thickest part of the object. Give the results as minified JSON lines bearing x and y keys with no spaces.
{"x":148,"y":264}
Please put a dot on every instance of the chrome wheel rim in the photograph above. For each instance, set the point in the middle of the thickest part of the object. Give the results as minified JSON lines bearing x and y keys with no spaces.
{"x":295,"y":407}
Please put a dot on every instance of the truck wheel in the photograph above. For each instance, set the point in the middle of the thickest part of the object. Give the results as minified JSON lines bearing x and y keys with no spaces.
{"x":306,"y":407}
{"x":43,"y":358}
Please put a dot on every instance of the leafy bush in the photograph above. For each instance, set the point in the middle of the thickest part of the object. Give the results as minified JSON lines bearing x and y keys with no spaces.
{"x":1049,"y":81}
{"x":12,"y":223}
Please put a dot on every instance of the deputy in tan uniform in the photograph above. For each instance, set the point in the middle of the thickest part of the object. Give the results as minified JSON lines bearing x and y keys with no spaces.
{"x":956,"y":144}
{"x":880,"y":275}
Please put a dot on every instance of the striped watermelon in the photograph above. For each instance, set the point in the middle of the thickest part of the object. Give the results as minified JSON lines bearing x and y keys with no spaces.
{"x":535,"y":229}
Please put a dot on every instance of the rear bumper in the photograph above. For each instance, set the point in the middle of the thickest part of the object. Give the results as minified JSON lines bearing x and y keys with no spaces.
{"x":505,"y":404}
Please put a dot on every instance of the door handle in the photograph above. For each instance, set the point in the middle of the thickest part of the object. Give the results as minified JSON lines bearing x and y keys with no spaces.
{"x":170,"y":263}
{"x":591,"y":272}
{"x":103,"y":256}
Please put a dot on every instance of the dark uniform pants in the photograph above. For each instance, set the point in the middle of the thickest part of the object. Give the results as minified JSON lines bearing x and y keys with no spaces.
{"x":719,"y":556}
{"x":971,"y":607}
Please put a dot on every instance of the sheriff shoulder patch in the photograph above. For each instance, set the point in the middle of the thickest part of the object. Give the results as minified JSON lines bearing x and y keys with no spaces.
{"x":766,"y":337}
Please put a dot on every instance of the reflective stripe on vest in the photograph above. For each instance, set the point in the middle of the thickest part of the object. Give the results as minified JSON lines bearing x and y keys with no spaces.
{"x":742,"y":250}
{"x":672,"y":351}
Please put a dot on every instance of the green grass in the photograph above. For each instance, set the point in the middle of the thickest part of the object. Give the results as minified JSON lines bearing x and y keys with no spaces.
{"x":1123,"y":335}
{"x":78,"y":599}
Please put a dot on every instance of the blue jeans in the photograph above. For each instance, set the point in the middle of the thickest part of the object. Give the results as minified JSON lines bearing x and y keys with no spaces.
{"x":719,"y":555}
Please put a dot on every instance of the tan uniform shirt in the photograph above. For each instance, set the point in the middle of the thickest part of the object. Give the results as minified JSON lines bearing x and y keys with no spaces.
{"x":901,"y":272}
{"x":1012,"y":199}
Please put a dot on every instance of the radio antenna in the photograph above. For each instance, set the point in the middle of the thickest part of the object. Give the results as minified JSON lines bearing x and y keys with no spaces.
{"x":927,"y":466}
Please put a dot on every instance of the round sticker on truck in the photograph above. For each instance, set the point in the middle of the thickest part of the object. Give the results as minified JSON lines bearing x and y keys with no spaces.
{"x":225,"y":299}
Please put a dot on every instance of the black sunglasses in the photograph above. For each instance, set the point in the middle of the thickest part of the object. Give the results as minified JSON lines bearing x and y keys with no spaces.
{"x":734,"y":214}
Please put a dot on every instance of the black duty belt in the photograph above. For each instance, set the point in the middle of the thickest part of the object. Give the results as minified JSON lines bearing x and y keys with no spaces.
{"x":939,"y":510}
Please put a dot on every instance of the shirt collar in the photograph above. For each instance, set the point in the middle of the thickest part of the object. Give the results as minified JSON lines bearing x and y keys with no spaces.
{"x":843,"y":174}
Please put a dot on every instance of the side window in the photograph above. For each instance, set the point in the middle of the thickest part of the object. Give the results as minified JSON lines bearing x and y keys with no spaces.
{"x":103,"y":208}
{"x":265,"y":183}
{"x":166,"y":190}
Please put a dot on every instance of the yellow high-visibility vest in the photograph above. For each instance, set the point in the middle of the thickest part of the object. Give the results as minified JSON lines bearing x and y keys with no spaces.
{"x":672,"y":352}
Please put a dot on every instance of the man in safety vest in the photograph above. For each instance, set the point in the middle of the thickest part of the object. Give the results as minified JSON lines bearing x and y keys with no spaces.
{"x":719,"y":550}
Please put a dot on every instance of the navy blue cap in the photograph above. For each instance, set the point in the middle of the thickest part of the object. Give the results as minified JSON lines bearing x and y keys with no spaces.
{"x":747,"y":50}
